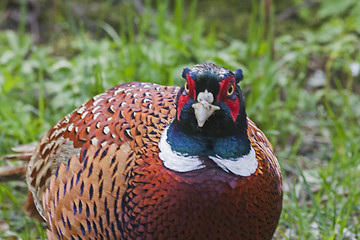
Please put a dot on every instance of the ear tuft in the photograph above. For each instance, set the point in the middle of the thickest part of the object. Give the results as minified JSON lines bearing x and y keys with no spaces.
{"x":185,"y":71}
{"x":238,"y":75}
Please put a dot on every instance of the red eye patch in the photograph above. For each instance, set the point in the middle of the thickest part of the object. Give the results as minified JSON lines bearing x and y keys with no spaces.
{"x":232,"y":103}
{"x":191,"y":84}
{"x":184,"y":98}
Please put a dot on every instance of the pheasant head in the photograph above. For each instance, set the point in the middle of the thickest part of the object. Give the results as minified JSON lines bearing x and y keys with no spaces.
{"x":210,"y":122}
{"x":210,"y":100}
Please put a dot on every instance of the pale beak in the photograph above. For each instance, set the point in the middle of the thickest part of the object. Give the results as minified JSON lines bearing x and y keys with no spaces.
{"x":204,"y":108}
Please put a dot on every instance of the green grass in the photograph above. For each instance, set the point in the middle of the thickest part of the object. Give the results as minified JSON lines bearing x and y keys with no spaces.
{"x":312,"y":120}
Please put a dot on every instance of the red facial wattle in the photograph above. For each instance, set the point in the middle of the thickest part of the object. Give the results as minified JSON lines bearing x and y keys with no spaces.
{"x":183,"y":98}
{"x":231,"y":101}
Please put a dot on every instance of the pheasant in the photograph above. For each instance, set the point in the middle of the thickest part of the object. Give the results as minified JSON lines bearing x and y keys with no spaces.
{"x":144,"y":161}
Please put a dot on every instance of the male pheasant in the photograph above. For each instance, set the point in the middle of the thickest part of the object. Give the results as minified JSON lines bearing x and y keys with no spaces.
{"x":144,"y":161}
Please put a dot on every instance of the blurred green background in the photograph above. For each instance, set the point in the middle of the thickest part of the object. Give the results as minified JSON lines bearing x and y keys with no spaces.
{"x":301,"y":65}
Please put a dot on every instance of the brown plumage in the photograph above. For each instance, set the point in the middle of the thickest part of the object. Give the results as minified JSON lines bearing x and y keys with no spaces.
{"x":97,"y":173}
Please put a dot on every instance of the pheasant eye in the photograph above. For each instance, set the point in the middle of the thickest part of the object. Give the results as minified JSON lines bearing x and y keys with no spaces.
{"x":230,"y":90}
{"x":186,"y":87}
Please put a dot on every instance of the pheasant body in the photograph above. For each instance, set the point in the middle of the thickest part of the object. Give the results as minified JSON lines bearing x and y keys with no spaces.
{"x":98,"y":174}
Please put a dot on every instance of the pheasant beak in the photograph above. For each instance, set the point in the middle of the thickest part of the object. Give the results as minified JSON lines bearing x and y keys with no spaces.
{"x":204,"y":107}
